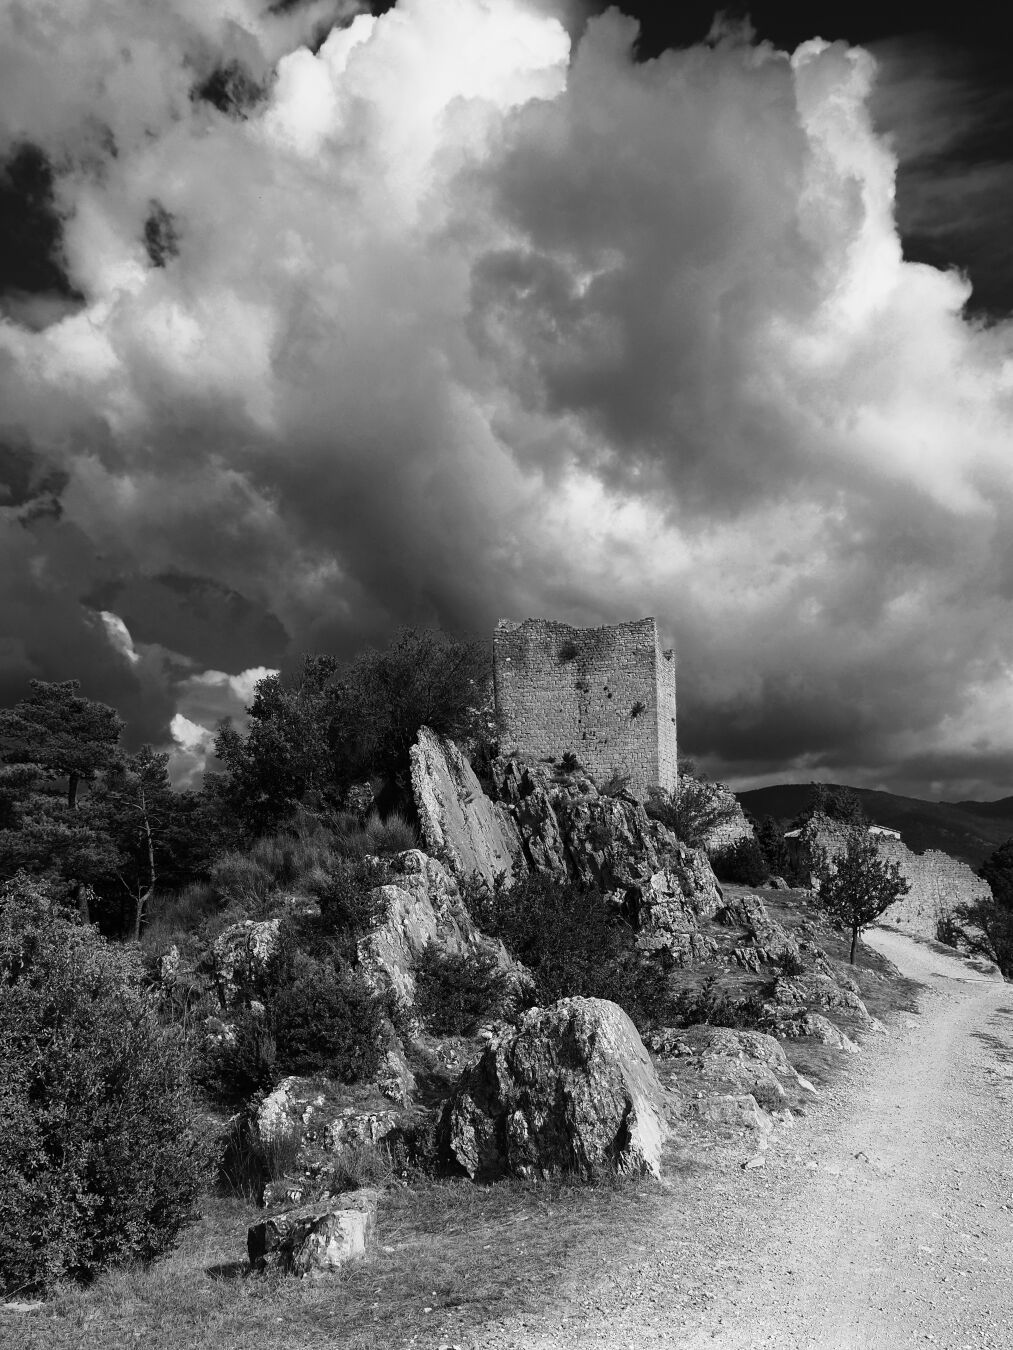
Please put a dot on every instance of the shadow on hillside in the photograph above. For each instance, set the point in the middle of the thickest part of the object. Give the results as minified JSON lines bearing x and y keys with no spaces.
{"x":227,"y":1271}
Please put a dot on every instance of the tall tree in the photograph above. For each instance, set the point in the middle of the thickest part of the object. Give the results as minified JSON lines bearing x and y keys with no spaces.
{"x":62,"y":734}
{"x":857,"y":886}
{"x":142,"y":816}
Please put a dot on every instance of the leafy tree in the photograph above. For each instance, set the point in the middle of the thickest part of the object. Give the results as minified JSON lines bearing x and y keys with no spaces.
{"x":61,"y":734}
{"x":857,"y":886}
{"x":997,"y":870}
{"x":838,"y":803}
{"x":103,"y":1158}
{"x":50,"y":743}
{"x":770,"y":838}
{"x":313,"y":736}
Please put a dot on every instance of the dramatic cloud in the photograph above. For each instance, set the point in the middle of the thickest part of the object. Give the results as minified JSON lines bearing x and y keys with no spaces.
{"x":438,"y":320}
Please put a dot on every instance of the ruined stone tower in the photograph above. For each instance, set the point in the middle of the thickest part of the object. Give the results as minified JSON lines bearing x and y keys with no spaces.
{"x":605,"y":694}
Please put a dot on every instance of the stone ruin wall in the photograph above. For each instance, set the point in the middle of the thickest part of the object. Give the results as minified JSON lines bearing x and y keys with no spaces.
{"x":734,"y":828}
{"x":938,"y":882}
{"x":606,"y":694}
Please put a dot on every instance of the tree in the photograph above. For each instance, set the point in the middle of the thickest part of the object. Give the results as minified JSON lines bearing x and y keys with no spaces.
{"x":61,"y":734}
{"x":143,"y":818}
{"x":838,"y":803}
{"x":50,"y":743}
{"x":770,"y":838}
{"x":104,"y":1155}
{"x":997,"y":870}
{"x":985,"y":926}
{"x":856,"y":886}
{"x":311,"y":737}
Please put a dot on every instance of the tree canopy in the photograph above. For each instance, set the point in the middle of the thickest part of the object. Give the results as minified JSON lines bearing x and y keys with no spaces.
{"x":857,"y":886}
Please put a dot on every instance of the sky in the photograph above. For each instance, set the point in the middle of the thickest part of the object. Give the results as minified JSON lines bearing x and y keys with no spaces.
{"x":317,"y":320}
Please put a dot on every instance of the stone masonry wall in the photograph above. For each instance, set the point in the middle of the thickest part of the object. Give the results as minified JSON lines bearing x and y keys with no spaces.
{"x":606,"y":694}
{"x":938,"y":882}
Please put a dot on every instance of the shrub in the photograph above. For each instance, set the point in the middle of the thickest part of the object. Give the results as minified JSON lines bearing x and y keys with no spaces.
{"x":569,"y":763}
{"x":374,"y":837}
{"x":243,"y":1061}
{"x":350,"y":904}
{"x":239,"y":879}
{"x":574,"y":941}
{"x":948,"y":929}
{"x":741,"y":863}
{"x":102,"y":1159}
{"x":454,"y":991}
{"x":177,"y":915}
{"x":711,"y":1005}
{"x":568,"y":651}
{"x":326,"y":1020}
{"x":695,"y":808}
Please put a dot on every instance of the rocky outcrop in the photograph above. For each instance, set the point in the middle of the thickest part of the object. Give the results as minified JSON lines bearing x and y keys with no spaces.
{"x":802,"y":1023}
{"x":315,"y":1239}
{"x":461,"y":826}
{"x":572,"y":1089}
{"x":422,"y":904}
{"x":239,"y":957}
{"x":749,"y":1061}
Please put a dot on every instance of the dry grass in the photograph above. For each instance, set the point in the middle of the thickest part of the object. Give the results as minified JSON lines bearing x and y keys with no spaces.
{"x":450,"y":1255}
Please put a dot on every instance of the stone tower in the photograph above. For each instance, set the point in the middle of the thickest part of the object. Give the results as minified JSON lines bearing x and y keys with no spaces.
{"x":605,"y":694}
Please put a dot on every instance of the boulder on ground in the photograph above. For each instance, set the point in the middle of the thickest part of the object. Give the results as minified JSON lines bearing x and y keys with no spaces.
{"x":314,"y":1239}
{"x":819,"y":1028}
{"x":739,"y":1109}
{"x":817,"y":989}
{"x":571,"y":1089}
{"x":460,"y":825}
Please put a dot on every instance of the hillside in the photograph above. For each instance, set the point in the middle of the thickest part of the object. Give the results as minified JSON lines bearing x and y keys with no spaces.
{"x":969,"y":831}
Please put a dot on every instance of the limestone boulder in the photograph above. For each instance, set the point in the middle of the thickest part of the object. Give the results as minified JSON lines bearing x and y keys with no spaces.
{"x":740,"y":1110}
{"x":819,"y":1028}
{"x":818,"y":989}
{"x":315,"y":1239}
{"x":239,"y":957}
{"x":571,"y":1089}
{"x":422,"y":904}
{"x":460,"y":825}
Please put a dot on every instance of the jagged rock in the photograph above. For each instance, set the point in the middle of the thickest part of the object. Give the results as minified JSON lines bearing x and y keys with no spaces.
{"x":319,"y":1120}
{"x":819,"y":989}
{"x":739,"y":1109}
{"x":743,"y":1075}
{"x":754,"y":1046}
{"x":570,"y":1090}
{"x":819,"y":1028}
{"x":240,"y":955}
{"x":461,"y":826}
{"x":423,"y":905}
{"x":395,"y":1078}
{"x":168,"y":965}
{"x":766,"y":941}
{"x":314,"y":1239}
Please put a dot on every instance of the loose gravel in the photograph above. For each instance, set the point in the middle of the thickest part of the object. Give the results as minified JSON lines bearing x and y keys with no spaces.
{"x":880,"y":1220}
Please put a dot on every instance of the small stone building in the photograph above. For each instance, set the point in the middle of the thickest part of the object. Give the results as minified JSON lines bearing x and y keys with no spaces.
{"x":606,"y":695}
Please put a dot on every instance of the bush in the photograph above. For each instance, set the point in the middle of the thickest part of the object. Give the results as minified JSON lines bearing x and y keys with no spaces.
{"x":239,"y":879}
{"x":102,"y":1159}
{"x":175,"y":916}
{"x":948,"y":929}
{"x":325,"y":1020}
{"x":710,"y":1005}
{"x":573,"y":940}
{"x":741,"y":863}
{"x":349,"y":903}
{"x":374,"y":837}
{"x":454,"y":991}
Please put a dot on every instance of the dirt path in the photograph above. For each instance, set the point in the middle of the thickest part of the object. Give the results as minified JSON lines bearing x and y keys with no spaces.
{"x":883,"y":1220}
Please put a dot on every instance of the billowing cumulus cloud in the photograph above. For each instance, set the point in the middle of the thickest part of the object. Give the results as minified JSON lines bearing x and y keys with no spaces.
{"x":442,"y":320}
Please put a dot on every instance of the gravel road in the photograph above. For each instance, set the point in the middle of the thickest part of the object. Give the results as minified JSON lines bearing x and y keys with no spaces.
{"x":882,"y":1220}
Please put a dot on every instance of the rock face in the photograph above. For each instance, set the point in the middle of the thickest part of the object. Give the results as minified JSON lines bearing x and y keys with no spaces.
{"x":423,"y":905}
{"x":572,"y":1089}
{"x":314,"y":1239}
{"x":240,"y":954}
{"x":460,"y":825}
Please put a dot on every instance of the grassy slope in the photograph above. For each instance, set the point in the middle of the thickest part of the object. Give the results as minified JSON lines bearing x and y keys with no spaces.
{"x":966,"y":830}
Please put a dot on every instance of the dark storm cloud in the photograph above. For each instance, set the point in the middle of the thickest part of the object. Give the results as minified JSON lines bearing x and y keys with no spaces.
{"x":459,"y":323}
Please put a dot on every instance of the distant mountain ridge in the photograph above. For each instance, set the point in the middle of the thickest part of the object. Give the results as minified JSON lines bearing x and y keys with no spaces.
{"x":966,"y":830}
